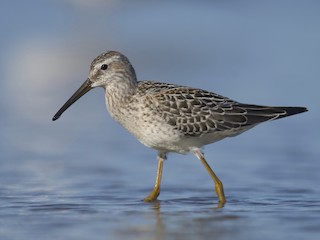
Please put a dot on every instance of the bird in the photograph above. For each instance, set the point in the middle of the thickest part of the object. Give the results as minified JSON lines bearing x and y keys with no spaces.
{"x":169,"y":117}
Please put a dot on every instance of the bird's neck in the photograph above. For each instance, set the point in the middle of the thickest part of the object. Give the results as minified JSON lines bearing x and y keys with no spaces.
{"x":119,"y":94}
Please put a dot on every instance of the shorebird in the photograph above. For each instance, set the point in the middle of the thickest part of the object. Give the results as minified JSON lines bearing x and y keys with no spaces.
{"x":169,"y":117}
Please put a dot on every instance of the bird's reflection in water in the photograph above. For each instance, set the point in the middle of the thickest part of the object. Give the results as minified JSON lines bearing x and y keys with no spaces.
{"x":159,"y":225}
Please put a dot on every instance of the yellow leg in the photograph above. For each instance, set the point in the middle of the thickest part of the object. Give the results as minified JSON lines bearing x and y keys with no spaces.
{"x":217,"y":183}
{"x":156,"y":190}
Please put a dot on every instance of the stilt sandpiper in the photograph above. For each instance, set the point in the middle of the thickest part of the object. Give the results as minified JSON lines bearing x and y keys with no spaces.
{"x":169,"y":117}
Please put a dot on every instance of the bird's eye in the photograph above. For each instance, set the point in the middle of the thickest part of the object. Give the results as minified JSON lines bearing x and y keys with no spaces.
{"x":104,"y":67}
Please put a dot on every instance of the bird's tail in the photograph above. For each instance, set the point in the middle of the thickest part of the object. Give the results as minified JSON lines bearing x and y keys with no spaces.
{"x":291,"y":111}
{"x":257,"y":114}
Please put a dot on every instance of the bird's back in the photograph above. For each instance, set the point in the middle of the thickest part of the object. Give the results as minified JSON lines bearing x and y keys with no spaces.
{"x":196,"y":112}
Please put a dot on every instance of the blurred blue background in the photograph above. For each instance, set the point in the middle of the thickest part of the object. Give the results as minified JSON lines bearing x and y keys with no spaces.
{"x":262,"y":52}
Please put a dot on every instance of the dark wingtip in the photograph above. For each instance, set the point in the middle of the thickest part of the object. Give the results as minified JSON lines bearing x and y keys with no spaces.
{"x":295,"y":110}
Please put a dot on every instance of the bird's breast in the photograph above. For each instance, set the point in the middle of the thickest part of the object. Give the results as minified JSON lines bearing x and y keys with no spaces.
{"x":144,"y":123}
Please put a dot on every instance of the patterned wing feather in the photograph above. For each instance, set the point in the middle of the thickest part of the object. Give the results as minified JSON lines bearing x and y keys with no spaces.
{"x":195,"y":112}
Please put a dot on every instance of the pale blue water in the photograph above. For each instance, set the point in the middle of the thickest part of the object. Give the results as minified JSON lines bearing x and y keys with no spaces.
{"x":84,"y":177}
{"x":276,"y":197}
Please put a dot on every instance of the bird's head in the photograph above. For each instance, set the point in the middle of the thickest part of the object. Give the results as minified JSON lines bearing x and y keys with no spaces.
{"x":108,"y":70}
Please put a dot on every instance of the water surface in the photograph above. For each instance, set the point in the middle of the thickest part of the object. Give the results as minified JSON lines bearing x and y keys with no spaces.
{"x":76,"y":199}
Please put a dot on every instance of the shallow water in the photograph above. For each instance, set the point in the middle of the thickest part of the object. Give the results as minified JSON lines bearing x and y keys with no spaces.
{"x":76,"y":199}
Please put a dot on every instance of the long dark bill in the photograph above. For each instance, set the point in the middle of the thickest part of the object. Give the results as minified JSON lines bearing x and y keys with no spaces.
{"x":85,"y":87}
